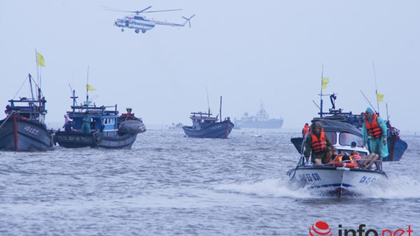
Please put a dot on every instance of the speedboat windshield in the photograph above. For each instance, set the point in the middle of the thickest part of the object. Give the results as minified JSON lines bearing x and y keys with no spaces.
{"x":332,"y":136}
{"x":346,"y":139}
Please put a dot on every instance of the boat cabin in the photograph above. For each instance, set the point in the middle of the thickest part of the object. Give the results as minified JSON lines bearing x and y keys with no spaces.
{"x":201,"y":120}
{"x":28,"y":108}
{"x":100,"y":117}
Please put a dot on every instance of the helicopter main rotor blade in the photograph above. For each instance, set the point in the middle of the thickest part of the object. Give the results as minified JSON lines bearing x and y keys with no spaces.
{"x":162,"y":11}
{"x":147,"y":8}
{"x":120,"y":10}
{"x":113,"y":9}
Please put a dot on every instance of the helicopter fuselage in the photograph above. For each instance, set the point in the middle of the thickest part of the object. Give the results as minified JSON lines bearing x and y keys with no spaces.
{"x":137,"y":23}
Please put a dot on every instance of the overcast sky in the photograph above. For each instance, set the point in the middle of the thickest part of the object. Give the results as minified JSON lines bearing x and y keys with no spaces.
{"x":268,"y":51}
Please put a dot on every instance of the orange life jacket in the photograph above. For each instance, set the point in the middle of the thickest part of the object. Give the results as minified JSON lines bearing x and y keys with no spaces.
{"x":319,"y":145}
{"x":305,"y":130}
{"x":338,"y":162}
{"x":373,"y":128}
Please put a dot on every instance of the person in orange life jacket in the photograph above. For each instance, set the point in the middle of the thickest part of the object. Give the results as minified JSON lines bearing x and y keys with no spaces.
{"x":305,"y":129}
{"x":340,"y":159}
{"x":318,"y":144}
{"x":365,"y":162}
{"x":334,"y":155}
{"x":375,"y":131}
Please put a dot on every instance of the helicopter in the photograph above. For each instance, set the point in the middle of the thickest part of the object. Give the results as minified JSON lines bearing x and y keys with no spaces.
{"x":143,"y":24}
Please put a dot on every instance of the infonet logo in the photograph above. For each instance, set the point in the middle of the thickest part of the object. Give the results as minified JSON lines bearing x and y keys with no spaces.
{"x":321,"y":228}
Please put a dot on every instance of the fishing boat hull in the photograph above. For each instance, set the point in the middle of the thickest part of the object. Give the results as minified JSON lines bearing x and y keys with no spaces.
{"x":106,"y":139}
{"x":216,"y":130}
{"x":336,"y":181}
{"x":18,"y":134}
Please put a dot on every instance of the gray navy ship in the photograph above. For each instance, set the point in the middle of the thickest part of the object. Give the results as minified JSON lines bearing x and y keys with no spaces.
{"x":260,"y":120}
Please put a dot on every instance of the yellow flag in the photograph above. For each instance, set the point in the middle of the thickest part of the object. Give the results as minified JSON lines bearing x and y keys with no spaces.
{"x":380,"y":97}
{"x":325,"y":81}
{"x":40,"y":59}
{"x":90,"y":88}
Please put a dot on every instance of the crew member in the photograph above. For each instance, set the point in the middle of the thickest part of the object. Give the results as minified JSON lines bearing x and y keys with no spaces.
{"x":67,"y":123}
{"x":86,"y":123}
{"x":318,"y":144}
{"x":305,"y":129}
{"x":375,"y":131}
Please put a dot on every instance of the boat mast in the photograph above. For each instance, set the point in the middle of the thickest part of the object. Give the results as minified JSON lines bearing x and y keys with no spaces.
{"x":208,"y":103}
{"x":73,"y":97}
{"x":220,"y":108}
{"x":321,"y":101}
{"x":30,"y":84}
{"x":87,"y":90}
{"x":376,"y":86}
{"x":39,"y":81}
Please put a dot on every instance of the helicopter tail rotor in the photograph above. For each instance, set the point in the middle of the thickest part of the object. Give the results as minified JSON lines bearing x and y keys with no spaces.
{"x":188,"y":20}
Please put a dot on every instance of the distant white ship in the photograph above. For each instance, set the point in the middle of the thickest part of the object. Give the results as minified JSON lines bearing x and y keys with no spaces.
{"x":260,"y":120}
{"x":176,"y":126}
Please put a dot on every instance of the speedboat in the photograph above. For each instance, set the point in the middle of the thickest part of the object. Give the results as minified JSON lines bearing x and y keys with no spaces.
{"x":338,"y":179}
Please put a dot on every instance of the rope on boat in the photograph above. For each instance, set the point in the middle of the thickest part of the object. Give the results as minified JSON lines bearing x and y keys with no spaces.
{"x":301,"y":161}
{"x":7,"y":118}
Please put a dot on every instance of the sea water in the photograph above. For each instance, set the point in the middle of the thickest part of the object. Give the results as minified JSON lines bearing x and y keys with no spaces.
{"x":168,"y":184}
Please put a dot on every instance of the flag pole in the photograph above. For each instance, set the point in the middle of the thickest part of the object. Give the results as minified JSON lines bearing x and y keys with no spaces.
{"x":322,"y":76}
{"x":208,"y":102}
{"x":87,"y":90}
{"x":37,"y":70}
{"x":376,"y":86}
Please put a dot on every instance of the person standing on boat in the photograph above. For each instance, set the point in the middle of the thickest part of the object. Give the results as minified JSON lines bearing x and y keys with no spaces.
{"x":374,"y":130}
{"x":305,"y":129}
{"x":86,"y":123}
{"x":67,"y":123}
{"x":318,"y":143}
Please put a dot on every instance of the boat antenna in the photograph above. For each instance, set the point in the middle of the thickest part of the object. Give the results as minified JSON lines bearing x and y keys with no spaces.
{"x":387,"y":115}
{"x":87,"y":90}
{"x":376,"y":86}
{"x":368,"y":101}
{"x":208,"y":103}
{"x":220,"y":108}
{"x":37,"y":67}
{"x":321,"y":102}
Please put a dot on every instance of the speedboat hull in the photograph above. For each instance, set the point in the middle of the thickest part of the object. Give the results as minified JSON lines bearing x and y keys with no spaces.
{"x":216,"y":130}
{"x":24,"y":135}
{"x":337,"y":181}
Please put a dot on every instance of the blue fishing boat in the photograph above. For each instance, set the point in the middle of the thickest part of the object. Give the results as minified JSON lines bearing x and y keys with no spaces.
{"x":24,"y":127}
{"x":207,"y":126}
{"x":98,"y":126}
